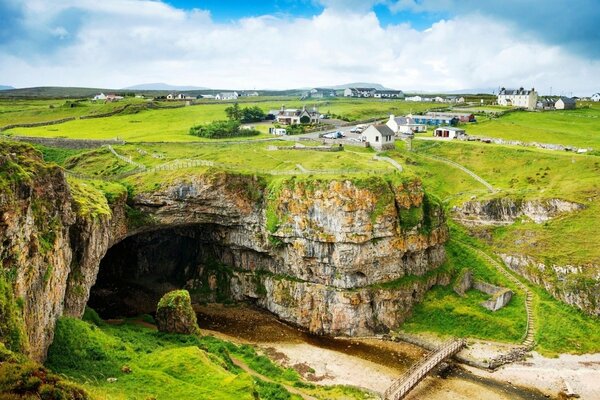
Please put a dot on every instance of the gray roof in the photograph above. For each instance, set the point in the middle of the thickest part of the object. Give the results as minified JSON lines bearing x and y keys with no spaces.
{"x":384,"y":130}
{"x":519,"y":91}
{"x":450,"y":128}
{"x":568,"y":100}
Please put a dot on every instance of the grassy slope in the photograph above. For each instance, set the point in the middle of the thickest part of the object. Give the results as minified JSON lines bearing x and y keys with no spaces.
{"x":173,"y":124}
{"x":580,"y":127}
{"x":523,"y":173}
{"x":166,"y":366}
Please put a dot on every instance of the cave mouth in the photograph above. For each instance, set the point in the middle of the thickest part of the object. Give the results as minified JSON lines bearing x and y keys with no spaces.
{"x":136,"y":272}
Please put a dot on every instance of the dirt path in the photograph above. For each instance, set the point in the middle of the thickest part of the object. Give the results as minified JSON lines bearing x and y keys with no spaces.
{"x":252,"y":372}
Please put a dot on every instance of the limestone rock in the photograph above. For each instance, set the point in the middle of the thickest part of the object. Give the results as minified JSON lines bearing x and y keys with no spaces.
{"x":175,"y":314}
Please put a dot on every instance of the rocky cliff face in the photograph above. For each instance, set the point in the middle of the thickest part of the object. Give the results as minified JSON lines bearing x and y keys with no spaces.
{"x":577,"y":285}
{"x":504,"y":211}
{"x":328,"y":255}
{"x":40,"y":240}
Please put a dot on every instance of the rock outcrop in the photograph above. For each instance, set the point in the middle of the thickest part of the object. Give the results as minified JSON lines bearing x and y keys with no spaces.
{"x":505,"y":211}
{"x":577,"y":285}
{"x":174,"y":313}
{"x":332,"y":255}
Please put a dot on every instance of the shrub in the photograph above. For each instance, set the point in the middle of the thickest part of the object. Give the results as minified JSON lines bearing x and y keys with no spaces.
{"x":221,"y":129}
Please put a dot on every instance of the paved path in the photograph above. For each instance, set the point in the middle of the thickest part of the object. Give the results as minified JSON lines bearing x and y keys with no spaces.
{"x":485,"y":183}
{"x":394,"y":163}
{"x":400,"y":388}
{"x":528,"y":339}
{"x":252,"y":372}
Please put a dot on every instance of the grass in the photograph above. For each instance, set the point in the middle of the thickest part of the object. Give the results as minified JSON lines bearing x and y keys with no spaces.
{"x":521,"y":174}
{"x":579,"y":127}
{"x":172,"y":125}
{"x":446,"y":313}
{"x":166,"y":366}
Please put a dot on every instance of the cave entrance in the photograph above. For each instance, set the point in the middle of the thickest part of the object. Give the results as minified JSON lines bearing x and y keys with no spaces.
{"x":136,"y":272}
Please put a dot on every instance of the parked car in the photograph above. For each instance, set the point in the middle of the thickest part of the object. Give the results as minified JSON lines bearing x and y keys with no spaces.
{"x":334,"y":135}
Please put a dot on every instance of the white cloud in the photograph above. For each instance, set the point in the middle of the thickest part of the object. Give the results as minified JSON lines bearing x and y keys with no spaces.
{"x":122,"y":43}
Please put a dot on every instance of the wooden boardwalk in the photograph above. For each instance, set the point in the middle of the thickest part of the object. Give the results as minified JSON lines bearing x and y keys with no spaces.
{"x":400,"y":388}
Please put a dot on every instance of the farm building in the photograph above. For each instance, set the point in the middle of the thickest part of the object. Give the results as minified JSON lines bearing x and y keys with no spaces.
{"x":379,"y":137}
{"x":435,"y":120}
{"x":595,"y":97}
{"x":227,"y":96}
{"x":518,"y":98}
{"x":462,"y":117}
{"x":293,"y":116}
{"x":405,"y":125}
{"x":389,"y":94}
{"x":359,"y":92}
{"x":319,"y":93}
{"x":414,"y":98}
{"x":100,"y":96}
{"x":565,"y":103}
{"x":448,"y":132}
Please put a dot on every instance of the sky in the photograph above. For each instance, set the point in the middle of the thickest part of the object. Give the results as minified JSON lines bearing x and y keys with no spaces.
{"x":413,"y":45}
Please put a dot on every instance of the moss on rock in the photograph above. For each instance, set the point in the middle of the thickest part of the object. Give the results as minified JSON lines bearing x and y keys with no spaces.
{"x":175,"y":314}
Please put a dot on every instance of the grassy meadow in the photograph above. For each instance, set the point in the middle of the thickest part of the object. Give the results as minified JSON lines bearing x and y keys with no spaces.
{"x":172,"y":125}
{"x":579,"y":127}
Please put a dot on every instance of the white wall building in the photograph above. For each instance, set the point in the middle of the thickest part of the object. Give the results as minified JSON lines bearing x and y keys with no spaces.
{"x":596,"y":97}
{"x":448,"y":132}
{"x":379,"y":137}
{"x":520,"y":98}
{"x":405,"y":125}
{"x":100,"y":96}
{"x":227,"y":96}
{"x":565,"y":103}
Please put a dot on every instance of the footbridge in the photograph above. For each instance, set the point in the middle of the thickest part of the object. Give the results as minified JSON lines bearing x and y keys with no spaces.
{"x":401,"y":387}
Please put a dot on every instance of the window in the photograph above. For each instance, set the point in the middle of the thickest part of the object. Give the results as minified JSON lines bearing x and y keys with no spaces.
{"x":377,"y":138}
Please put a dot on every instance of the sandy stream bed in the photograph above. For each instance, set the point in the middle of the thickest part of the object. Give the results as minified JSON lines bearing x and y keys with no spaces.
{"x":374,"y":364}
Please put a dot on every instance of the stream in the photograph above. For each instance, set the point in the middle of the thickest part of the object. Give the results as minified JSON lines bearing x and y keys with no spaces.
{"x":367,"y":363}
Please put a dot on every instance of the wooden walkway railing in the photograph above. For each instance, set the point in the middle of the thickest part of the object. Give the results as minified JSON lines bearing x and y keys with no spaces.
{"x":400,"y":388}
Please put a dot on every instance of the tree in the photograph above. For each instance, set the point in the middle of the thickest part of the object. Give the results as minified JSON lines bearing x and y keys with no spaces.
{"x":252,"y":114}
{"x":233,"y":112}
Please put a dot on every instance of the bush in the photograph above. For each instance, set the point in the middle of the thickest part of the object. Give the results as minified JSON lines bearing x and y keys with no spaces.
{"x":222,"y":129}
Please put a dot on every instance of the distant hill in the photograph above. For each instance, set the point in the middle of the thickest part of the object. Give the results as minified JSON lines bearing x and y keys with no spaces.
{"x":163,"y":86}
{"x":377,"y":86}
{"x":2,"y":87}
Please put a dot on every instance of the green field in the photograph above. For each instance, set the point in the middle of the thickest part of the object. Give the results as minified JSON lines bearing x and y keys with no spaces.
{"x":172,"y":125}
{"x":579,"y":127}
{"x":168,"y":365}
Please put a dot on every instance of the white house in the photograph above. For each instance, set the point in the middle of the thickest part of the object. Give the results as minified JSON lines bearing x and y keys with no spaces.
{"x":293,"y":116}
{"x":448,"y":132}
{"x":518,"y":98}
{"x":414,"y":98}
{"x":227,"y":96}
{"x":405,"y":125}
{"x":388,"y":94}
{"x":595,"y":97}
{"x":439,"y":99}
{"x":359,"y":92}
{"x":379,"y":137}
{"x":100,"y":96}
{"x":565,"y":103}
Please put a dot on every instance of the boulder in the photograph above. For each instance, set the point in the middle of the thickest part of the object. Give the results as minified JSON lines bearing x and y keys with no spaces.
{"x":175,"y":314}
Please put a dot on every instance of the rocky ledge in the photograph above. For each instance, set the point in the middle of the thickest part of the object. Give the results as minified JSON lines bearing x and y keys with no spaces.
{"x":505,"y":211}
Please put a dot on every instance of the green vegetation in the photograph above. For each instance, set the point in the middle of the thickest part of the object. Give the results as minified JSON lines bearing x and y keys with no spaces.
{"x":222,"y":129}
{"x":89,"y":201}
{"x":577,"y":127}
{"x":172,"y":124}
{"x":446,"y":313}
{"x":151,"y":364}
{"x":12,"y":333}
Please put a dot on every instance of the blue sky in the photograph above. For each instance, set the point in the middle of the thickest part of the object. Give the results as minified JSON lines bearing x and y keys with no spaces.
{"x":428,"y":45}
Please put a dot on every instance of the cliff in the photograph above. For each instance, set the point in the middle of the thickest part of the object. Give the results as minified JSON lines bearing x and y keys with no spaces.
{"x":335,"y":256}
